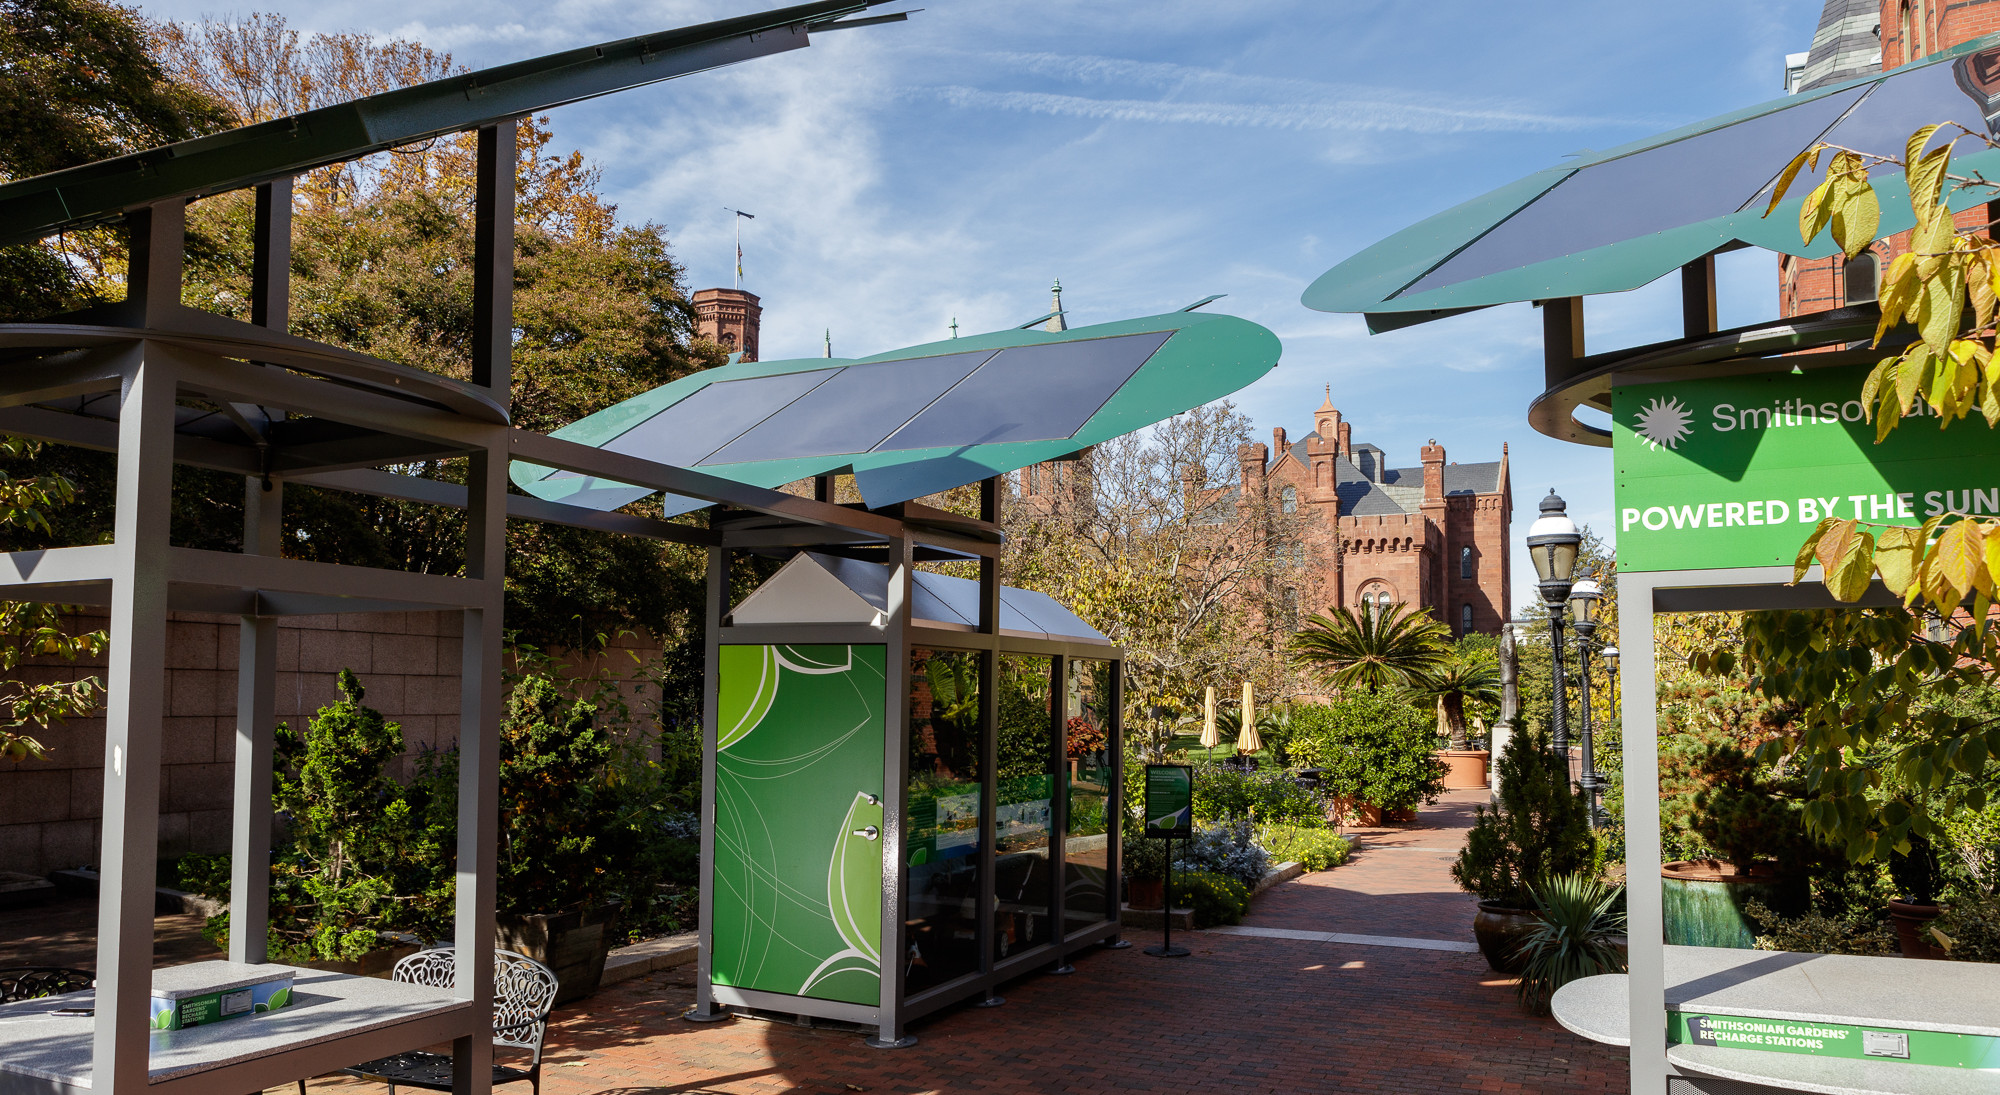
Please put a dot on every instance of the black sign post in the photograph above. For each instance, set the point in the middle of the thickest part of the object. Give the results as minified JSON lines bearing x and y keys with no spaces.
{"x":1169,"y":814}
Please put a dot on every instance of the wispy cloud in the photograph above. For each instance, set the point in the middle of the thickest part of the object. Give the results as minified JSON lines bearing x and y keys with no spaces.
{"x":1246,"y":101}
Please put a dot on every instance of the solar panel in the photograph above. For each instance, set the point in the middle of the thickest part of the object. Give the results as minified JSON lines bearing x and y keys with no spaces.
{"x":852,"y":411}
{"x":1029,"y":393}
{"x":1709,"y":175}
{"x":686,"y":432}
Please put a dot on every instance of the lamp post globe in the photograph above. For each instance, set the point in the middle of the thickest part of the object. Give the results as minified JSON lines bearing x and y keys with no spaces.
{"x":1552,"y":544}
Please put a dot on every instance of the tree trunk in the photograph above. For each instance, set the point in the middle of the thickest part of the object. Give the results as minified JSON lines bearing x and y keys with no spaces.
{"x":1454,"y":720}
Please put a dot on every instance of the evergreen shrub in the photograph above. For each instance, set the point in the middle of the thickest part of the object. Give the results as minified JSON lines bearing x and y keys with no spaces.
{"x":1372,"y":748}
{"x":1313,"y":849}
{"x":1538,"y":830}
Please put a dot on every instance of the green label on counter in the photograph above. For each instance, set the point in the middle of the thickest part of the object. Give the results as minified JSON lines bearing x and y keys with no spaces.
{"x":1923,"y":1047}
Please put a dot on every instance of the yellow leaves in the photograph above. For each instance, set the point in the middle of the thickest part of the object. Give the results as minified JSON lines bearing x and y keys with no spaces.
{"x":1846,"y":554}
{"x":1925,"y":173}
{"x":1856,"y":214}
{"x":1897,"y":294}
{"x":1791,"y":171}
{"x":1898,"y":552}
{"x":1808,"y":549}
{"x":1956,"y":565}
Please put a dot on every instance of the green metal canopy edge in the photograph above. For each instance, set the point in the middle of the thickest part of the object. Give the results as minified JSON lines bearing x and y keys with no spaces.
{"x":45,"y":204}
{"x":1207,"y":357}
{"x":1373,"y":281}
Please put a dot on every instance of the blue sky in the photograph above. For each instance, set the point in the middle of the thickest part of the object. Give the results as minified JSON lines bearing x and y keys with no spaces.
{"x":1149,"y":154}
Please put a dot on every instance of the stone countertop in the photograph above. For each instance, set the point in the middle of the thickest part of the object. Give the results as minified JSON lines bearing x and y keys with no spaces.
{"x":1909,"y":994}
{"x":325,"y":1006}
{"x":199,"y":978}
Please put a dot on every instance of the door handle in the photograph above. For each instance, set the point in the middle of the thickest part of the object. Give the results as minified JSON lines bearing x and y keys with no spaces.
{"x":871,"y":832}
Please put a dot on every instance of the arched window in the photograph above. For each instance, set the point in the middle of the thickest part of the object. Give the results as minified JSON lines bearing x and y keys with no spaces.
{"x":1288,"y":500}
{"x":1465,"y":619}
{"x":1859,"y":276}
{"x":1465,"y":562}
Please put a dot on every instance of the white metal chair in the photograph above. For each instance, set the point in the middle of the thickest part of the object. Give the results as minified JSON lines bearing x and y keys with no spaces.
{"x":524,"y":992}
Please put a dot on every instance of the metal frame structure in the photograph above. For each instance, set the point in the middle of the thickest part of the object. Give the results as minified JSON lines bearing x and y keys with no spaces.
{"x":162,"y":384}
{"x":900,"y":633}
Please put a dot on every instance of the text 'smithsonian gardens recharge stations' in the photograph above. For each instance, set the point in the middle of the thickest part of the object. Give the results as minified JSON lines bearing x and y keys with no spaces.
{"x":1736,"y":471}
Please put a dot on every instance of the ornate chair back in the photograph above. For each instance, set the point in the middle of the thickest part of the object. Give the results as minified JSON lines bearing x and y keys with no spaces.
{"x":524,"y":992}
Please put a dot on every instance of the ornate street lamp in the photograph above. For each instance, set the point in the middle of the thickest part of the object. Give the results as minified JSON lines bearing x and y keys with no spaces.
{"x":1552,"y":544}
{"x":1583,"y":601}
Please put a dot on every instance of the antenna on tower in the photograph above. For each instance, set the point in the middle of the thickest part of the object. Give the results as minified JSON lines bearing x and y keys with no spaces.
{"x":954,"y":326}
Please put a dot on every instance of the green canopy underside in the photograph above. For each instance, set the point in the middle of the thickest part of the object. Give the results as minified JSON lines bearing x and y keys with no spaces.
{"x":1614,"y":221}
{"x":1198,"y":359}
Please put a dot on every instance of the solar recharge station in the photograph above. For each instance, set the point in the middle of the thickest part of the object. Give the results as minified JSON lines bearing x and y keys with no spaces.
{"x":911,"y":776}
{"x":1728,"y":448}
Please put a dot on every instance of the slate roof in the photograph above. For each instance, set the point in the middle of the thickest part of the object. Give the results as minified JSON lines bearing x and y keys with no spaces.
{"x":1401,"y":490}
{"x":1845,"y":44}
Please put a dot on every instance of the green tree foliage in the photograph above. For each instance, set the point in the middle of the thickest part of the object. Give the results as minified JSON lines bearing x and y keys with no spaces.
{"x":1225,"y":792}
{"x":78,"y":82}
{"x":34,"y":630}
{"x":1538,"y":830}
{"x":1468,"y":679}
{"x":1373,"y":749}
{"x":1373,"y":648}
{"x":1882,"y":750}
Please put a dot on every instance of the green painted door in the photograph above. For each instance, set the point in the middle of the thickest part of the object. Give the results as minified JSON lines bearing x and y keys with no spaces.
{"x":798,"y":819}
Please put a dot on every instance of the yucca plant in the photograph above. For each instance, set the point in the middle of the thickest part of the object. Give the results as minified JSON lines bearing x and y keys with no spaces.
{"x":1579,"y":919}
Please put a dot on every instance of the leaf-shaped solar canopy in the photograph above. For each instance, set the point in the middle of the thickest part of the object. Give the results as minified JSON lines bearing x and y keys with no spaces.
{"x":920,"y":420}
{"x":1612,"y":221}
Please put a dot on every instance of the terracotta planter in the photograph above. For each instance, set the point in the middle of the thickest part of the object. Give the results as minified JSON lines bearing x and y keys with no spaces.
{"x":1146,"y":893}
{"x":1499,"y":930}
{"x":1465,"y":769}
{"x":1704,"y":901}
{"x":573,"y":944}
{"x":376,"y":963}
{"x":1913,"y":923}
{"x":1368,"y":815}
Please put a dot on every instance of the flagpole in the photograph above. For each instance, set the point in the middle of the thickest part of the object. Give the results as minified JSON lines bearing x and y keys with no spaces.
{"x":740,"y":217}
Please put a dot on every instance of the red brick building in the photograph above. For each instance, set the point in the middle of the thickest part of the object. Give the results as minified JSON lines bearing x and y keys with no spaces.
{"x":730,"y":319}
{"x":1434,"y":535}
{"x":1854,"y":38}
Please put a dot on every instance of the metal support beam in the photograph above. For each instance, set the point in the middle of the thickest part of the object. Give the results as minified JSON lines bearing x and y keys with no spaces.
{"x":256,"y":723}
{"x":1645,"y":912}
{"x":135,"y":698}
{"x":493,"y":260}
{"x":271,"y":257}
{"x":479,"y":755}
{"x":711,"y":658}
{"x":436,"y":492}
{"x":895,"y":782}
{"x":153,"y":264}
{"x":1698,"y":312}
{"x":1562,"y":339}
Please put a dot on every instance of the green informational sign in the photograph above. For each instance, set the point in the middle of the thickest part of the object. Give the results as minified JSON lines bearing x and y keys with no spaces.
{"x":1736,"y":471}
{"x":797,"y":880}
{"x":1922,"y":1047}
{"x":1170,"y":801}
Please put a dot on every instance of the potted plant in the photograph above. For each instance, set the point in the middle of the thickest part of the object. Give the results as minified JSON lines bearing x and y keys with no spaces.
{"x":561,"y":834}
{"x":1579,"y":932}
{"x":1145,"y":870}
{"x":1719,"y":800}
{"x":1538,"y":830}
{"x":1470,"y":677}
{"x":1918,"y":877}
{"x":1375,"y":756}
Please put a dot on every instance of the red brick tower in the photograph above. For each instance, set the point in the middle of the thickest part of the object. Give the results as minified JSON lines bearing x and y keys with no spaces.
{"x":729,"y":318}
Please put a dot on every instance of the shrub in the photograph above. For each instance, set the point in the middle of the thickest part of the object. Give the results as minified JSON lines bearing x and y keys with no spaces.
{"x":1145,"y":856}
{"x":1972,"y":925}
{"x":1539,"y":829}
{"x":1817,"y":933}
{"x":1215,"y":898}
{"x":1225,"y":850}
{"x":1716,"y":800}
{"x":1313,"y":849}
{"x":1224,"y":792}
{"x":1579,"y":915}
{"x":1373,"y":749}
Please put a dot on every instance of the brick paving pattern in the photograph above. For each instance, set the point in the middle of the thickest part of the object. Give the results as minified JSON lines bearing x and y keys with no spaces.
{"x":1244,"y":1014}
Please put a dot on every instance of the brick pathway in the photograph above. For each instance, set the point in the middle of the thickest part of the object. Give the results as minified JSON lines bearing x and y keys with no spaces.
{"x":1244,"y":1014}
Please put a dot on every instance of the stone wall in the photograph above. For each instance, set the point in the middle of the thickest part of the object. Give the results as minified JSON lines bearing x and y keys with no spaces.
{"x":407,"y":663}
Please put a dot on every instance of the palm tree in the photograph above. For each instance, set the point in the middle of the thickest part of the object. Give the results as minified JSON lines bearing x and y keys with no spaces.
{"x":1465,"y":676}
{"x":1393,"y":647}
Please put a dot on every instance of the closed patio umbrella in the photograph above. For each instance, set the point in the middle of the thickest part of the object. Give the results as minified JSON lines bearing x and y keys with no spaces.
{"x":1248,"y":742}
{"x":1210,"y":738}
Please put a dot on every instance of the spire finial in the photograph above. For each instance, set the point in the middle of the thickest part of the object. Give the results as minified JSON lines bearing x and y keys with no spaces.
{"x":954,"y":326}
{"x":829,"y":342}
{"x":1056,"y":320}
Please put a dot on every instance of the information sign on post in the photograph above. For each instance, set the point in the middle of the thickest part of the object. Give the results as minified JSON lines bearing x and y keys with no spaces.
{"x":1736,"y":471}
{"x":1170,"y":801}
{"x":1169,"y":814}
